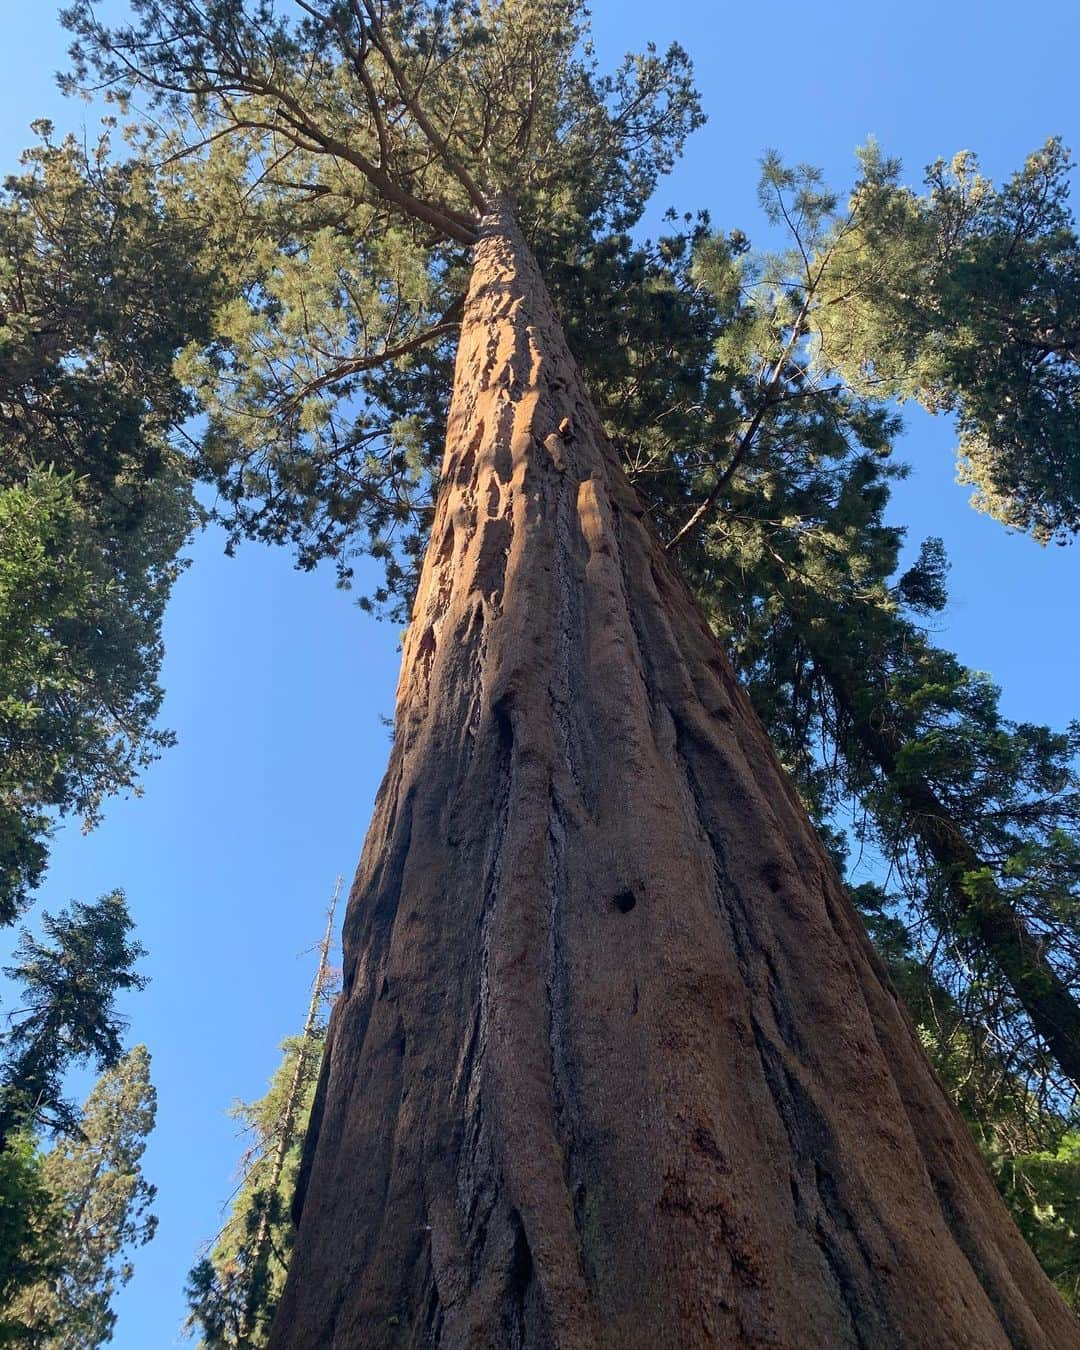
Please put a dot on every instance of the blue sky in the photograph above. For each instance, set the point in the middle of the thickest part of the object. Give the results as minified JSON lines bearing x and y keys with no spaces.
{"x":276,"y":681}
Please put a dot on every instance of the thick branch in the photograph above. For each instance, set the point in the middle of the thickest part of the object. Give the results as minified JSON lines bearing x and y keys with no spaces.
{"x":476,"y":196}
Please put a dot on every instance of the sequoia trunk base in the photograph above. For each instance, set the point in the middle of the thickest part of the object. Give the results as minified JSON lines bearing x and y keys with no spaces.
{"x":615,"y":1064}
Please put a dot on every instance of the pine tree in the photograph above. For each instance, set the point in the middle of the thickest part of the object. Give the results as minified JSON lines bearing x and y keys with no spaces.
{"x":101,"y":1204}
{"x":67,"y":1014}
{"x":234,"y":1290}
{"x":967,"y":299}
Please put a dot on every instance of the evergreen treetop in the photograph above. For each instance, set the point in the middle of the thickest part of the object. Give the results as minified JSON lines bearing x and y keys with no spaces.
{"x":68,"y":982}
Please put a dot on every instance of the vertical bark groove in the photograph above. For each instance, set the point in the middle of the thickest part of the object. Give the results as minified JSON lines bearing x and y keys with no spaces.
{"x":636,"y":1078}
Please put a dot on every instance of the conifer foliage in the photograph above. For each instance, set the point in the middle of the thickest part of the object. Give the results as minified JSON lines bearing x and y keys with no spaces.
{"x":68,"y":983}
{"x":345,"y":153}
{"x":967,"y":298}
{"x":97,"y":293}
{"x":70,"y":1216}
{"x":100,"y":1211}
{"x":234,"y":1289}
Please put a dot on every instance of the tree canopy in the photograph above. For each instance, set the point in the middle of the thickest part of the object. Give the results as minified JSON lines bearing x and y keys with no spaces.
{"x":343,"y":155}
{"x":966,"y":298}
{"x":98,"y":291}
{"x":100,"y":1205}
{"x":67,"y":986}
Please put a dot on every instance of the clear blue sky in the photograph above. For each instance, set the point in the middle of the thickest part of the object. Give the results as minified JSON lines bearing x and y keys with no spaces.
{"x":276,"y":681}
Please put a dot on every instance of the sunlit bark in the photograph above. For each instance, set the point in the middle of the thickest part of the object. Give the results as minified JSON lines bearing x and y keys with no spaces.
{"x":615,"y":1063}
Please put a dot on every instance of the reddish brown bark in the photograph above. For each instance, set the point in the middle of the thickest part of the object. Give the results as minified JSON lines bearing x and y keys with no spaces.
{"x":615,"y":1064}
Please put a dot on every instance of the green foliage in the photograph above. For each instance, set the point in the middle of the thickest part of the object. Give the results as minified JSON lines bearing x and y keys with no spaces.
{"x":234,"y":1289}
{"x":67,"y":1015}
{"x":95,"y":299}
{"x":67,"y":1215}
{"x":100,"y":1211}
{"x":967,"y":298}
{"x":1042,"y":1190}
{"x":29,"y":1236}
{"x":79,"y":645}
{"x":341,"y":156}
{"x":101,"y":1208}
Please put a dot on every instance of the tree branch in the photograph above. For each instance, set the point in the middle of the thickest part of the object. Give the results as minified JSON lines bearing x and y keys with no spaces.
{"x":447,"y":324}
{"x":378,"y":37}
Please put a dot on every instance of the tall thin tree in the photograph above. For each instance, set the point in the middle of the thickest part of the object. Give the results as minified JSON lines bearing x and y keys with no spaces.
{"x":289,"y":1128}
{"x":234,"y":1289}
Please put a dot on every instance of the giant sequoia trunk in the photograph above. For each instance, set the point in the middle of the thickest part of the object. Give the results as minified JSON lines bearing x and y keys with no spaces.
{"x":615,"y":1064}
